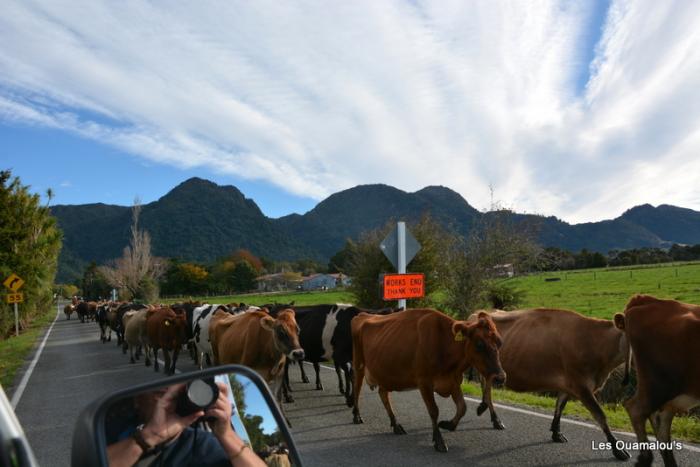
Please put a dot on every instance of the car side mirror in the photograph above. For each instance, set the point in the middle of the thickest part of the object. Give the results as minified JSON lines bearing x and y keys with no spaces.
{"x":203,"y":417}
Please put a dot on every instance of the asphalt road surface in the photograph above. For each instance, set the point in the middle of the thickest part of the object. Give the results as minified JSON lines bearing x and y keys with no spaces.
{"x":76,"y":368}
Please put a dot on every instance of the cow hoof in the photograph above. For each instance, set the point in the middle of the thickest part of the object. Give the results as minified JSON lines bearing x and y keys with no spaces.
{"x":644,"y":459}
{"x":398,"y":430}
{"x":447,"y":425}
{"x":288,"y":399}
{"x":440,"y":446}
{"x":621,"y":454}
{"x":356,"y":419}
{"x":319,"y":387}
{"x":305,"y":379}
{"x":559,"y":438}
{"x":482,"y":408}
{"x":348,"y":402}
{"x":498,"y":425}
{"x":132,"y":361}
{"x":342,"y":391}
{"x":148,"y":363}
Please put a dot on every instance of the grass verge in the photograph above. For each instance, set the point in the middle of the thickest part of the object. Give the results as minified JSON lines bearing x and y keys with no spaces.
{"x":14,"y":350}
{"x":685,"y":428}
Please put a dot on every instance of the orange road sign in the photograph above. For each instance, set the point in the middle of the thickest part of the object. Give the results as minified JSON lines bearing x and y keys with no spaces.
{"x":15,"y":297}
{"x":14,"y":282}
{"x":400,"y":286}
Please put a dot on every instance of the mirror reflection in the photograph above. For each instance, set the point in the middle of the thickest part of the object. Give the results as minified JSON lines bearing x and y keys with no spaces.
{"x":223,"y":420}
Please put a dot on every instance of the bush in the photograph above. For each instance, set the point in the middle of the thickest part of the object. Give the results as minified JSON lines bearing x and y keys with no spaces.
{"x":504,"y":296}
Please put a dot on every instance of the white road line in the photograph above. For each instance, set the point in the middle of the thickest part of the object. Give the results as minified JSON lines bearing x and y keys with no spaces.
{"x":687,"y":446}
{"x":25,"y":379}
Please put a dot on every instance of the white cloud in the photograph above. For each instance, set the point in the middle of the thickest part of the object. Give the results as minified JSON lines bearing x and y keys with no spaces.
{"x":315,"y":97}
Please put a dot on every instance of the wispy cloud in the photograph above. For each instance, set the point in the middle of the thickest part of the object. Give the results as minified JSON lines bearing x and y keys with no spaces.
{"x":66,"y":184}
{"x":315,"y":98}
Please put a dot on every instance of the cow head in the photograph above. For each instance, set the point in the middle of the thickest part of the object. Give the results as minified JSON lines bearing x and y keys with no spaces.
{"x":285,"y":333}
{"x":175,"y":327}
{"x":481,"y":341}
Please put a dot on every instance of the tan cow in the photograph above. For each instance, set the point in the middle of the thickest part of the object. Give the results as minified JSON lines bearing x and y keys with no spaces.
{"x":665,"y":340}
{"x":257,"y":340}
{"x":547,"y":350}
{"x":135,"y":334}
{"x":422,"y":349}
{"x":68,"y":310}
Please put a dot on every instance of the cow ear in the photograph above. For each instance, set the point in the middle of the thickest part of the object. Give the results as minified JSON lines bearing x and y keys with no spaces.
{"x":265,"y":310}
{"x":267,"y":323}
{"x":619,"y":320}
{"x":460,"y":331}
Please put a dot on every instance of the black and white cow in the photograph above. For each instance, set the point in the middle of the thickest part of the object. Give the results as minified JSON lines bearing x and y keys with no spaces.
{"x":325,"y":335}
{"x":103,"y":320}
{"x":201,"y":317}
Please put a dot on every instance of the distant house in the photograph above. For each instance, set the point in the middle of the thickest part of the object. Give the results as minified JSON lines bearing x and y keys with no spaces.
{"x":504,"y":270}
{"x":319,"y":282}
{"x":277,"y":282}
{"x":341,"y":280}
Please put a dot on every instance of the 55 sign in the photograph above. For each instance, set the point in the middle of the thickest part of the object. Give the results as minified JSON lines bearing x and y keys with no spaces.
{"x":17,"y":297}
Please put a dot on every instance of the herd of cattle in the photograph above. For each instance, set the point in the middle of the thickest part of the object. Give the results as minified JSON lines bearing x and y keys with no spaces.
{"x":538,"y":350}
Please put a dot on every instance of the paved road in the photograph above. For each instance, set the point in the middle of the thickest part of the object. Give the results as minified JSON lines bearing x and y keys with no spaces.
{"x":76,"y":368}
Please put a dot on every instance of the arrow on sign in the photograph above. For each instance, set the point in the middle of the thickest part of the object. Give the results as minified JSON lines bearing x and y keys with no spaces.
{"x":14,"y":282}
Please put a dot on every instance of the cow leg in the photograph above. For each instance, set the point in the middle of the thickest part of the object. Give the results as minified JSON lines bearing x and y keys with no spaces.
{"x":429,"y":399}
{"x":109,"y":334}
{"x":461,"y":409}
{"x":286,"y":387}
{"x":638,"y":410}
{"x":317,"y":369}
{"x":124,"y":347}
{"x":131,"y":354}
{"x":340,"y":379}
{"x":589,"y":401}
{"x":661,"y":421}
{"x":356,"y":386}
{"x":304,"y":378}
{"x":155,"y":358}
{"x":147,"y":355}
{"x":176,"y":352}
{"x":384,"y":396}
{"x":487,"y":403}
{"x":347,"y":369}
{"x":557,"y":437}
{"x":166,"y":361}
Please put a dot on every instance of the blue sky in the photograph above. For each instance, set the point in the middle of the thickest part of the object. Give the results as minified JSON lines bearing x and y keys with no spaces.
{"x":574,"y":109}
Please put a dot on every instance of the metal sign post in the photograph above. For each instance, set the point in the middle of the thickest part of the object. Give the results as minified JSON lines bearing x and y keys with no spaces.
{"x":16,"y":320}
{"x":401,"y":237}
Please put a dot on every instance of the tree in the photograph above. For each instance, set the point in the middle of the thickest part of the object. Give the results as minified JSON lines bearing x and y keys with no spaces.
{"x":341,"y":261}
{"x":497,"y":238}
{"x":243,"y":277}
{"x":185,"y":278}
{"x":137,"y":272}
{"x":30,"y":242}
{"x":367,"y":263}
{"x":94,"y":284}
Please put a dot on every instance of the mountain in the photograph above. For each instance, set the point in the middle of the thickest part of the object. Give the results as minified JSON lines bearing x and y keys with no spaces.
{"x":350,"y":212}
{"x":201,"y":221}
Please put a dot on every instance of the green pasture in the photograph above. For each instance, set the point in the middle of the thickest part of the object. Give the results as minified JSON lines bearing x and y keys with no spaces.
{"x":299,"y":298}
{"x":603,"y":292}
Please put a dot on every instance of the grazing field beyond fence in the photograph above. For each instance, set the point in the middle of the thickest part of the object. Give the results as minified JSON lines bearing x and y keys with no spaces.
{"x":603,"y":292}
{"x":299,"y":298}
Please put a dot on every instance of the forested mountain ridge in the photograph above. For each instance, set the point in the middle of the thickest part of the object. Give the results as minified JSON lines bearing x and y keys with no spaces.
{"x":200,"y":221}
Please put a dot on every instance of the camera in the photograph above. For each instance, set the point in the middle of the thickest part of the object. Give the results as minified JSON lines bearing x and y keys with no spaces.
{"x":199,"y":394}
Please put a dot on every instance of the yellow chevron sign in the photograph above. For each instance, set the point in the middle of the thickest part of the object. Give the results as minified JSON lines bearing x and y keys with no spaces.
{"x":14,"y":282}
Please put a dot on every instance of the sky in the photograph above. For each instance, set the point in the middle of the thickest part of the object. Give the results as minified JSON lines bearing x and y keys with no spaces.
{"x":575,"y":109}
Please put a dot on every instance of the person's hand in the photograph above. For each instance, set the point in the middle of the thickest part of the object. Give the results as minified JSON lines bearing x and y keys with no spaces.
{"x":165,"y":424}
{"x":221,"y":413}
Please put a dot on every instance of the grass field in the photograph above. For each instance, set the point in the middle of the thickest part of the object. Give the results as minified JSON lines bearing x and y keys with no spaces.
{"x":14,"y":350}
{"x":299,"y":298}
{"x":603,"y":292}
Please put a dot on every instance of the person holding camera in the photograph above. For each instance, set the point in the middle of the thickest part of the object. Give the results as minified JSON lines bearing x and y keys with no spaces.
{"x":166,"y":437}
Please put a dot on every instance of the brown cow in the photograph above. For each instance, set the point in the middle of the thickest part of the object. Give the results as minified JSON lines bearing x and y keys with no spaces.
{"x":665,"y":340}
{"x":68,"y":310}
{"x":558,"y":351}
{"x":423,"y":349}
{"x":257,"y":340}
{"x":166,"y":330}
